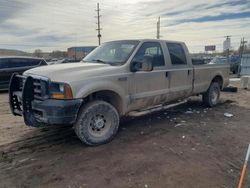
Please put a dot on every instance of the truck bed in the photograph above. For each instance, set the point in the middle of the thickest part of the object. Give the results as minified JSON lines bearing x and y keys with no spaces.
{"x":204,"y":73}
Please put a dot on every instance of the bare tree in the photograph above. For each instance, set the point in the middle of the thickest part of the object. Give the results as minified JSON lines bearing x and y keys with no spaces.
{"x":58,"y":54}
{"x":38,"y":53}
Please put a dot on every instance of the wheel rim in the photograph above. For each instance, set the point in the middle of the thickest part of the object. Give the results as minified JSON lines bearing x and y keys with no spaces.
{"x":99,"y":125}
{"x":215,"y":96}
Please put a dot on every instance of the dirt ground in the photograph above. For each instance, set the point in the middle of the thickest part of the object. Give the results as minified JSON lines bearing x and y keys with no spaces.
{"x":186,"y":146}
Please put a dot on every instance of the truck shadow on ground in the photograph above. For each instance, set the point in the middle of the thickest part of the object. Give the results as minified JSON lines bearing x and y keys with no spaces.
{"x":3,"y":91}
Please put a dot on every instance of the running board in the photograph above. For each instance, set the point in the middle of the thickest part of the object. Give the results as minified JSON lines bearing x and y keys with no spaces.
{"x":155,"y":109}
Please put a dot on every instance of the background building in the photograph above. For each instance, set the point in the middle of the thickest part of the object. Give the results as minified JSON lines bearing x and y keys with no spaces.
{"x":77,"y":53}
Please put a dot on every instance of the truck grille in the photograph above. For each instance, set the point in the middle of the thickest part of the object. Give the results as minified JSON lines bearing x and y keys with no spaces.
{"x":21,"y":83}
{"x":37,"y":85}
{"x":40,"y":89}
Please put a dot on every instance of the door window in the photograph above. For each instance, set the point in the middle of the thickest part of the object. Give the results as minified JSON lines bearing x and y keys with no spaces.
{"x":153,"y":49}
{"x":3,"y":63}
{"x":177,"y":54}
{"x":14,"y":63}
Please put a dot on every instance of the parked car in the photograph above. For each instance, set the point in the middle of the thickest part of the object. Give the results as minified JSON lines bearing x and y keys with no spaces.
{"x":10,"y":65}
{"x":234,"y":63}
{"x":198,"y":61}
{"x":116,"y":79}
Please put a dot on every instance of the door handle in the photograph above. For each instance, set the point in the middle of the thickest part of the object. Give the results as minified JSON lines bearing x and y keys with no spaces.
{"x":189,"y":72}
{"x":166,"y":74}
{"x":122,"y":79}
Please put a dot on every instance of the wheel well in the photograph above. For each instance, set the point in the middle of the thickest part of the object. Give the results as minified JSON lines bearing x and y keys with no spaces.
{"x":219,"y":80}
{"x":109,"y":96}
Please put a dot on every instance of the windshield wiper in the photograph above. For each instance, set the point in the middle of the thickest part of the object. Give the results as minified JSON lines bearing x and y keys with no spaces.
{"x":100,"y":61}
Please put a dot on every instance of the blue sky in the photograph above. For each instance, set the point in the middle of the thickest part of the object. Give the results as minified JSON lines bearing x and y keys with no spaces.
{"x":59,"y":24}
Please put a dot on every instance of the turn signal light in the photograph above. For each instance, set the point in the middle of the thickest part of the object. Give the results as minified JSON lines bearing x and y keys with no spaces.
{"x":68,"y":92}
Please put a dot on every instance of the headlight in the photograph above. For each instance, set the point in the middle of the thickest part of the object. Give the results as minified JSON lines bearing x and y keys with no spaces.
{"x":60,"y":91}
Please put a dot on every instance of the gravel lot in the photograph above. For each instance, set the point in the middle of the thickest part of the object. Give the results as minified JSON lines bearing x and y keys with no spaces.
{"x":171,"y":148}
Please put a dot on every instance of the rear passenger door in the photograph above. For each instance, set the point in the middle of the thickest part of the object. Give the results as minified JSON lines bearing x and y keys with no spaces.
{"x":180,"y":71}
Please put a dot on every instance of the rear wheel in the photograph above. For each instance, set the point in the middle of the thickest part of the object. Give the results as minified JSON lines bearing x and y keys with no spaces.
{"x":97,"y":123}
{"x":212,"y":95}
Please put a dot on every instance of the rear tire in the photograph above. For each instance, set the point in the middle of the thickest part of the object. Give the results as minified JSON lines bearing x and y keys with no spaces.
{"x":97,"y":123}
{"x":212,"y":95}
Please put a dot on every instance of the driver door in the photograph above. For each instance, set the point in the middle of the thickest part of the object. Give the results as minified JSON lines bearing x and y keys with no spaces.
{"x":149,"y":88}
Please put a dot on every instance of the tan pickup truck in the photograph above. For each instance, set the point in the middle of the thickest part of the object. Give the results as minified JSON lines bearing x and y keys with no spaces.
{"x":114,"y":80}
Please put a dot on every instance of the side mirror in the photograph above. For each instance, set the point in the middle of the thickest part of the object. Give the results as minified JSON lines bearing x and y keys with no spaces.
{"x":145,"y":65}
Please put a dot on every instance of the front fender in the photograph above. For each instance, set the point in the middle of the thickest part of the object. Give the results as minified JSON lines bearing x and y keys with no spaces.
{"x":90,"y":88}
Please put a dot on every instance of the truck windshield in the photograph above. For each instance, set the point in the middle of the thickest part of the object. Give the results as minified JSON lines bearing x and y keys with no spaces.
{"x":113,"y":53}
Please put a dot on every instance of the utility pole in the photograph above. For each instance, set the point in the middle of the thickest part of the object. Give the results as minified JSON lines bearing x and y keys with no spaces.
{"x":158,"y":28}
{"x":227,"y":45}
{"x":242,"y":46}
{"x":241,"y":51}
{"x":98,"y":25}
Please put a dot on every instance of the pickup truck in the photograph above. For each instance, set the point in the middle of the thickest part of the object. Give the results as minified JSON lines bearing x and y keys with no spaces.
{"x":116,"y":79}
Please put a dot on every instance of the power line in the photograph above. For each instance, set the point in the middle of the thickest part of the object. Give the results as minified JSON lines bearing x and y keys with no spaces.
{"x":98,"y":24}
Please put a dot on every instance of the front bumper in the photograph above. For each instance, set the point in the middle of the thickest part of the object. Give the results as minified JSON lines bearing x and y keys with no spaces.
{"x":38,"y":111}
{"x":54,"y":112}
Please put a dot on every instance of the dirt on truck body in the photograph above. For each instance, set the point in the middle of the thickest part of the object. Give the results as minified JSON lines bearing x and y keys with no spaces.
{"x":115,"y":79}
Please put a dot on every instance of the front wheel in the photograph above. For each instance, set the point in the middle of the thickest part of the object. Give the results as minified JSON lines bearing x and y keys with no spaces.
{"x":97,"y":123}
{"x":212,"y":95}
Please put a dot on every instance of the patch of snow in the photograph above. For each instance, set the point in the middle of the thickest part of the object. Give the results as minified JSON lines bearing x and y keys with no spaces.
{"x":228,"y":115}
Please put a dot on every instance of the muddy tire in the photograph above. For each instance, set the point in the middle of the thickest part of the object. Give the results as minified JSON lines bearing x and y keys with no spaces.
{"x":212,"y":95}
{"x":97,"y":123}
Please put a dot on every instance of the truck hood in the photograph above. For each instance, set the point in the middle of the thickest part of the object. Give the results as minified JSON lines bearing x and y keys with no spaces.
{"x":70,"y":71}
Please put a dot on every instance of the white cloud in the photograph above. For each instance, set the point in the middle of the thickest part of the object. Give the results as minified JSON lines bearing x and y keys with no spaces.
{"x":58,"y":24}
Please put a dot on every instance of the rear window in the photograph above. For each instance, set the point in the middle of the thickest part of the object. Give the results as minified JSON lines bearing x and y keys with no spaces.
{"x":177,"y":54}
{"x":43,"y":62}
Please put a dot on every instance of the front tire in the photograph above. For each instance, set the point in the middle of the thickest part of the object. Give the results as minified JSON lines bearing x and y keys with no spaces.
{"x":212,"y":95}
{"x":97,"y":123}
